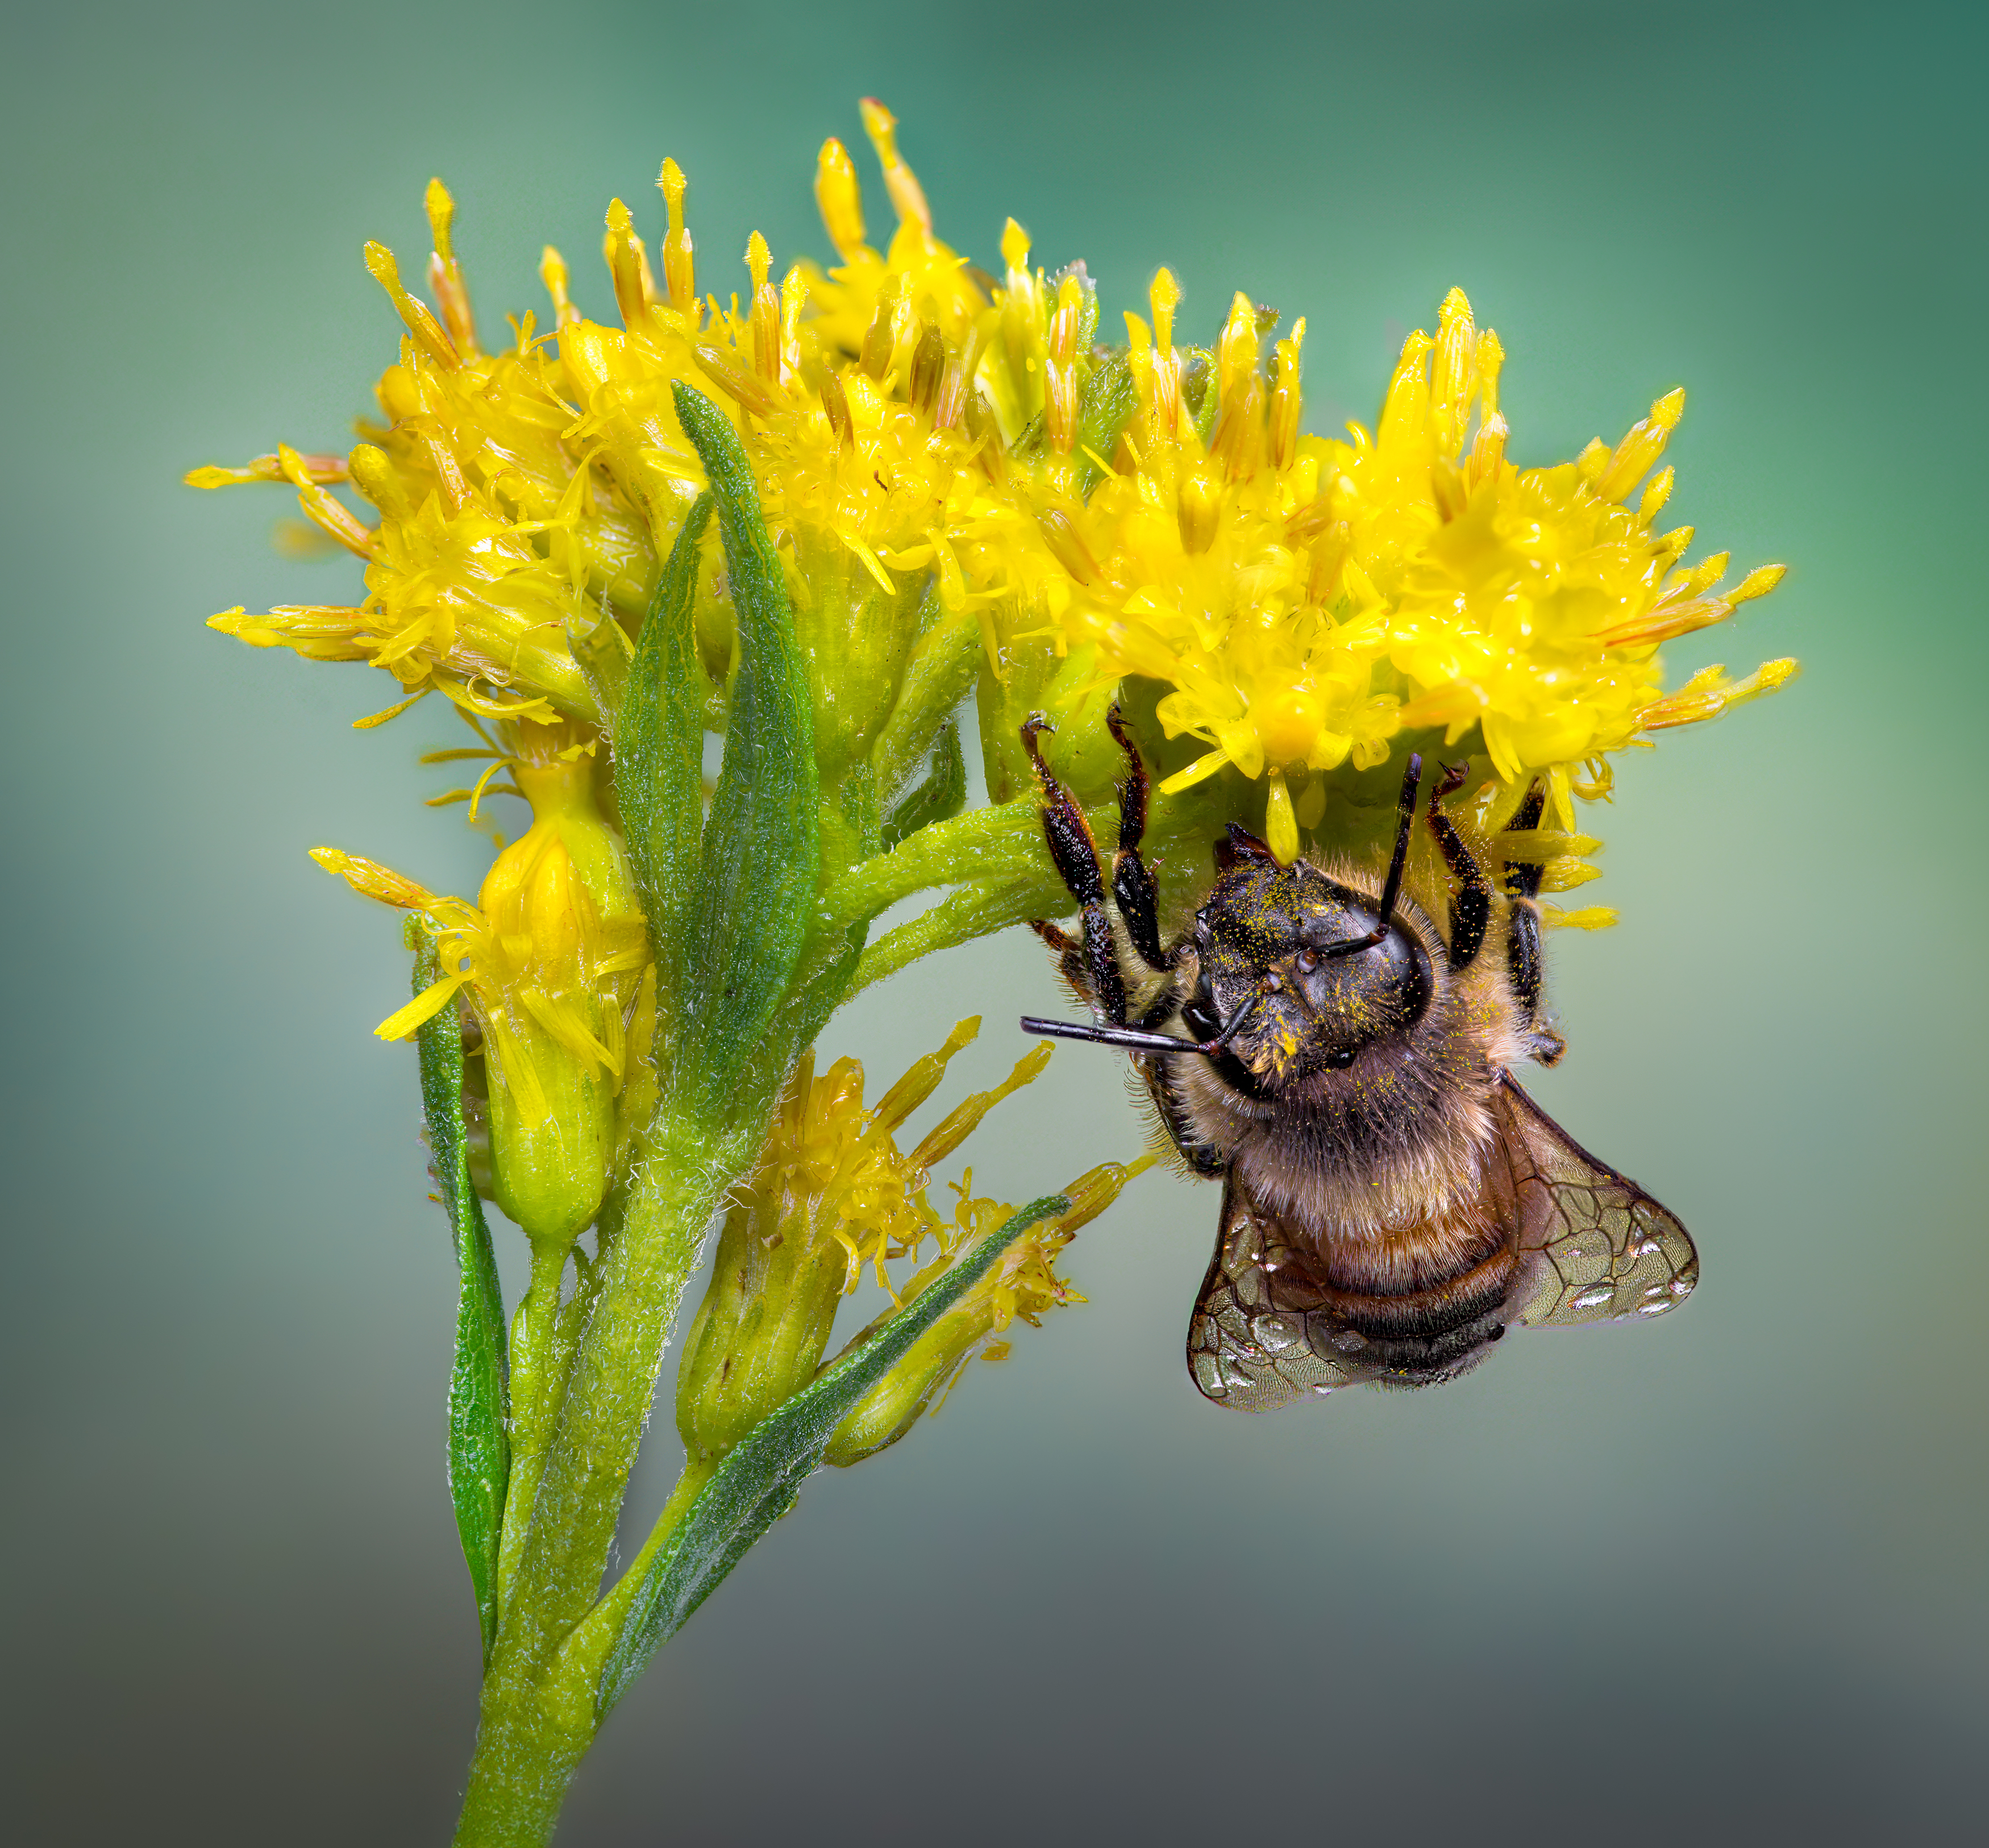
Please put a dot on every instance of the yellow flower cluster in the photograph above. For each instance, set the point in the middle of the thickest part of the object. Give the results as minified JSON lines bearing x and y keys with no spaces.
{"x":914,"y":422}
{"x":1304,"y":600}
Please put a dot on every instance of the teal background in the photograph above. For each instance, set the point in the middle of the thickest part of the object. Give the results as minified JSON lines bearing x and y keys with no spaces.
{"x":1721,"y":1578}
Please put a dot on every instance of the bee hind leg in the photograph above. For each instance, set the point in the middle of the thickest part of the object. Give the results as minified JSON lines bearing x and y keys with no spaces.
{"x":1068,"y":835}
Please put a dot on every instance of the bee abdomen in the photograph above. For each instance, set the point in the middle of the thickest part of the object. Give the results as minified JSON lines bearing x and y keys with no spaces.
{"x":1427,"y":1312}
{"x":1414,"y":1336}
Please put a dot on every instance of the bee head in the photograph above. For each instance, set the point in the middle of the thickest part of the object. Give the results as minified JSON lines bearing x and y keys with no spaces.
{"x":1276,"y":940}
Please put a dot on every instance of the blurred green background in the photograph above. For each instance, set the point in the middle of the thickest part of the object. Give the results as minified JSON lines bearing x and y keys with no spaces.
{"x":1721,"y":1578}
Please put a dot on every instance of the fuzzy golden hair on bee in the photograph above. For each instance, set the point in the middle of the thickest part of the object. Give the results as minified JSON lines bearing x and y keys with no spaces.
{"x":1393,"y":1201}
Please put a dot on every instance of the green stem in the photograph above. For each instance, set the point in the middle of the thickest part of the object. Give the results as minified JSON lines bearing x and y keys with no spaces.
{"x":973,"y":910}
{"x":990,"y":844}
{"x":535,"y":1400}
{"x":537,"y":1721}
{"x":590,"y":1642}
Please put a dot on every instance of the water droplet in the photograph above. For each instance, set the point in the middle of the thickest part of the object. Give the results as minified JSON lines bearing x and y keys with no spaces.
{"x":1278,"y":1333}
{"x":1598,"y":1296}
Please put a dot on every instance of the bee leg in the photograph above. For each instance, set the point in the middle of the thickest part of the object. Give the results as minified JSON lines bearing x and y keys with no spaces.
{"x":1471,"y":909}
{"x":1070,"y":961}
{"x":1522,"y":934}
{"x":1133,"y":887}
{"x":1068,"y":835}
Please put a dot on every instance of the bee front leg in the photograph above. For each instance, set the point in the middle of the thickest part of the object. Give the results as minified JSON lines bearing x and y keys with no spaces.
{"x":1523,"y":932}
{"x":1133,"y":887}
{"x":1471,"y":910}
{"x":1068,"y":835}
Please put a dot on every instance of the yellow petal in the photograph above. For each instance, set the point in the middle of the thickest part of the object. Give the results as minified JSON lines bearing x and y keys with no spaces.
{"x":425,"y":1006}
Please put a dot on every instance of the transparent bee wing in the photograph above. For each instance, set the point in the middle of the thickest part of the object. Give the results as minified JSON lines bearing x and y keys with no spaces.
{"x":1606,"y":1248}
{"x":1253,"y":1343}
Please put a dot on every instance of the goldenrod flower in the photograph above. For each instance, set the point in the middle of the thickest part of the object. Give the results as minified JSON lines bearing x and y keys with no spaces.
{"x":552,"y":958}
{"x":1302,"y":601}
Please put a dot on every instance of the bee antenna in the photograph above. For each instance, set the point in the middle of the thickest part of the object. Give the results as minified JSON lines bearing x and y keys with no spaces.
{"x":1137,"y":1040}
{"x":1405,"y":821}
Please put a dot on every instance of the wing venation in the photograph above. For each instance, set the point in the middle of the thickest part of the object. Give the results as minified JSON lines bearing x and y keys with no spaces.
{"x":1606,"y":1249}
{"x":1255,"y":1342}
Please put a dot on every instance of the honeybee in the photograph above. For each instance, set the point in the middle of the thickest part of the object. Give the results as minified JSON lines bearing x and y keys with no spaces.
{"x":1393,"y":1202}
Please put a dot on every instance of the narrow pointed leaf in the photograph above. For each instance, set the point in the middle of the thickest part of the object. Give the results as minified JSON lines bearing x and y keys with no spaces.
{"x":762,"y":842}
{"x":939,"y":798}
{"x":939,"y":676}
{"x":659,"y":752}
{"x":756,"y":1483}
{"x":479,"y":1453}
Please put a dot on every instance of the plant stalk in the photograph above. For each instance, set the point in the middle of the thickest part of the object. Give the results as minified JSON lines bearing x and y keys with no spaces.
{"x":537,"y":1716}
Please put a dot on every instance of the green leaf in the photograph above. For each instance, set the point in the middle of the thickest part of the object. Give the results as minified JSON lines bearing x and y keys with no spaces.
{"x":762,"y":842}
{"x":937,"y":677}
{"x":479,"y":1453}
{"x":659,"y":755}
{"x":758,"y":1481}
{"x":939,"y":798}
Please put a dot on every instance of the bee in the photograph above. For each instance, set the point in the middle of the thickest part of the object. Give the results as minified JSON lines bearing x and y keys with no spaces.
{"x":1393,"y":1202}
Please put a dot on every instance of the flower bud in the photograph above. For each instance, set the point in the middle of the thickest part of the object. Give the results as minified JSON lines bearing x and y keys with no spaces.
{"x":565,"y":942}
{"x":1023,"y":1284}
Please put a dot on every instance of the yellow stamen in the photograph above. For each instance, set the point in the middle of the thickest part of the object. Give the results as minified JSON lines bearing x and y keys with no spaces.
{"x":623,"y":251}
{"x":1631,"y":459}
{"x":766,"y":313}
{"x":1286,"y":404}
{"x":553,"y":273}
{"x":908,"y":197}
{"x":1164,"y":297}
{"x":445,"y":280}
{"x":427,"y":331}
{"x":679,"y":273}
